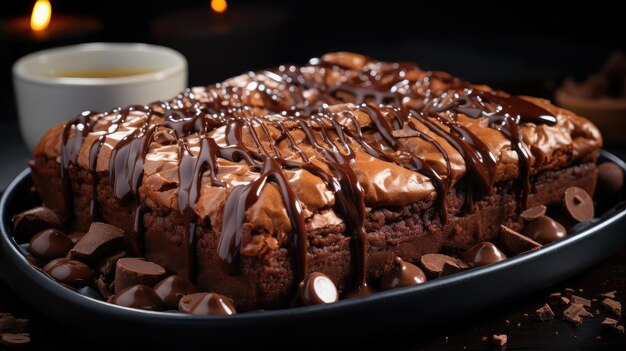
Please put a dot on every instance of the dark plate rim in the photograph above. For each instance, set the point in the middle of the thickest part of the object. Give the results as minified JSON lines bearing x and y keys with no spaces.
{"x":13,"y":253}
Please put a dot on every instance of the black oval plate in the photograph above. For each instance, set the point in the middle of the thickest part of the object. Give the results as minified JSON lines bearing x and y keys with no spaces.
{"x":424,"y":305}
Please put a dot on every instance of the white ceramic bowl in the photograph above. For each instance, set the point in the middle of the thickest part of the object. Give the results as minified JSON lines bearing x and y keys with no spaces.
{"x":44,"y":98}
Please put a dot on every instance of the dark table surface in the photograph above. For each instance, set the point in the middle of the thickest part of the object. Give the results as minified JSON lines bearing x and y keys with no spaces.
{"x":514,"y":318}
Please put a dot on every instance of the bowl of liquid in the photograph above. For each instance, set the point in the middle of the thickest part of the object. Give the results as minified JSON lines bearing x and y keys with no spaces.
{"x":55,"y":85}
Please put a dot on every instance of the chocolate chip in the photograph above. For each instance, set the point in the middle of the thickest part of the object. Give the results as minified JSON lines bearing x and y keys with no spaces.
{"x":70,"y":272}
{"x":439,"y":265}
{"x":138,"y":296}
{"x":317,"y":289}
{"x":610,"y":178}
{"x":483,"y":254}
{"x":578,"y":204}
{"x":534,"y":213}
{"x":544,"y":230}
{"x":31,"y":222}
{"x":50,"y":244}
{"x":514,"y":243}
{"x":132,"y":270}
{"x":206,"y":303}
{"x":575,"y":313}
{"x":612,"y":306}
{"x":13,"y":340}
{"x":402,"y":274}
{"x":101,"y":240}
{"x":581,"y":301}
{"x":10,"y":324}
{"x":172,"y":289}
{"x":544,"y":313}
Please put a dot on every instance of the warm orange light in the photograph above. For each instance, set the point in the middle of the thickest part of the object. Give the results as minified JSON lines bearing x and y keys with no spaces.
{"x":219,"y":6}
{"x":40,"y":19}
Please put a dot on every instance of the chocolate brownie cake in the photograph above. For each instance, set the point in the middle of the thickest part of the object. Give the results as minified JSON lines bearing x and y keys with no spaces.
{"x":344,"y":166}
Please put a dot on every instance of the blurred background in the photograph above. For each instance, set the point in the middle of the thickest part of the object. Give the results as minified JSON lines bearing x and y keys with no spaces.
{"x":521,"y":47}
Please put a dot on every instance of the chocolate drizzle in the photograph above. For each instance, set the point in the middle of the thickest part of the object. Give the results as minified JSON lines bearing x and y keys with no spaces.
{"x":503,"y":113}
{"x":333,"y":137}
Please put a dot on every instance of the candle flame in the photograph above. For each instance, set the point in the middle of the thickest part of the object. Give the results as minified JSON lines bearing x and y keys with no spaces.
{"x":40,"y":19}
{"x":219,"y":6}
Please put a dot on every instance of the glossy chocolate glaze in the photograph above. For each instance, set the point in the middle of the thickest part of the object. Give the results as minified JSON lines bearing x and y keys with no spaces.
{"x":307,"y":134}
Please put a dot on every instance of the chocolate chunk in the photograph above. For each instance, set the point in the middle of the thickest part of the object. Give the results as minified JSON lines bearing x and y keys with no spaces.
{"x":50,"y":244}
{"x":106,"y":267}
{"x":132,"y":271}
{"x":514,"y":243}
{"x":534,"y":213}
{"x":612,"y":306}
{"x":483,"y":254}
{"x":544,"y":230}
{"x":70,"y":272}
{"x":206,"y":303}
{"x":172,"y":289}
{"x":610,"y":178}
{"x":564,"y":301}
{"x":578,"y":204}
{"x":13,"y":340}
{"x":402,"y":274}
{"x":544,"y":313}
{"x":10,"y":324}
{"x":575,"y":313}
{"x":499,"y":340}
{"x":138,"y":296}
{"x":610,"y":294}
{"x":439,"y":265}
{"x":581,"y":301}
{"x":317,"y":289}
{"x":101,"y":240}
{"x":609,"y":323}
{"x":31,"y":222}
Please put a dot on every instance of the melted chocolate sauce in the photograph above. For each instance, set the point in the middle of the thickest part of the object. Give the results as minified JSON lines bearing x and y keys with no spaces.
{"x":339,"y":134}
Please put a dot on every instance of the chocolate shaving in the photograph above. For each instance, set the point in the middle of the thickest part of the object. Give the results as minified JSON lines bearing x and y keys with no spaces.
{"x":610,"y":294}
{"x":544,"y":313}
{"x":612,"y":306}
{"x":612,"y":325}
{"x":575,"y":313}
{"x":581,"y":301}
